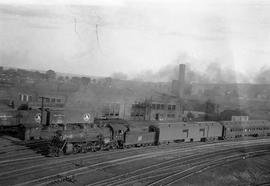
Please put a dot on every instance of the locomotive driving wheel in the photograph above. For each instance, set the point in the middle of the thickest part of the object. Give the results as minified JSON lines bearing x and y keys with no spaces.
{"x":77,"y":148}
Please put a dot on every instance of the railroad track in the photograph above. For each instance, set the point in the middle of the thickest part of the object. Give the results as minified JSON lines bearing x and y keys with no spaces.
{"x":89,"y":167}
{"x":23,"y":162}
{"x":61,"y":162}
{"x":69,"y":166}
{"x":175,"y":177}
{"x":163,"y":168}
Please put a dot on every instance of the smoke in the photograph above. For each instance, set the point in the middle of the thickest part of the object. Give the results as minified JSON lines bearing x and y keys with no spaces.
{"x":197,"y":71}
{"x":119,"y":75}
{"x":262,"y":76}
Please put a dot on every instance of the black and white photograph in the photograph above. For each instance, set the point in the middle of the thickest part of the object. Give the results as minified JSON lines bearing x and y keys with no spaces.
{"x":134,"y":93}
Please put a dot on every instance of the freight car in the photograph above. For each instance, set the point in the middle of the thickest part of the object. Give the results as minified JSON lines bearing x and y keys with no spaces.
{"x":23,"y":123}
{"x":31,"y":124}
{"x":187,"y":131}
{"x":64,"y":120}
{"x":8,"y":119}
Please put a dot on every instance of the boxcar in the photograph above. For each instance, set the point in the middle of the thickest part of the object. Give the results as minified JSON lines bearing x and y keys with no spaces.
{"x":187,"y":131}
{"x":8,"y":119}
{"x":210,"y":130}
{"x":30,"y":124}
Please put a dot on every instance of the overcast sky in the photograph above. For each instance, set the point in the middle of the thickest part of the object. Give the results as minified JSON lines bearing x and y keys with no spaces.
{"x":102,"y":37}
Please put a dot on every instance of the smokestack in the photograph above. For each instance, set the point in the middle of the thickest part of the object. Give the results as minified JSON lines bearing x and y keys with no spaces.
{"x":181,"y":80}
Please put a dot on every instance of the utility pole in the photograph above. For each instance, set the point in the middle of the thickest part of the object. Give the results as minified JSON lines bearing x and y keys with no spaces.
{"x":42,"y":108}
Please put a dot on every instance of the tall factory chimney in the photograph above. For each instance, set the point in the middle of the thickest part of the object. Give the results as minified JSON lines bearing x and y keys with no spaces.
{"x":181,"y":80}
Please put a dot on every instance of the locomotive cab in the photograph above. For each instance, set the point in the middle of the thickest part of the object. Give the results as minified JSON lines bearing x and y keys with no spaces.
{"x":118,"y":134}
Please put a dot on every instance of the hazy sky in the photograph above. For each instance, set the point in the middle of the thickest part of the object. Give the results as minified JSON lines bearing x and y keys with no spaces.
{"x":102,"y":37}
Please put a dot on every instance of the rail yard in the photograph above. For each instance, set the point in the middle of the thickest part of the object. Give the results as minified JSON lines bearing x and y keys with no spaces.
{"x":132,"y":93}
{"x":157,"y":145}
{"x":25,"y":164}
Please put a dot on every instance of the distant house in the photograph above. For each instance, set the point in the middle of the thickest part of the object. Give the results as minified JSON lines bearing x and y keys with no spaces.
{"x":34,"y":100}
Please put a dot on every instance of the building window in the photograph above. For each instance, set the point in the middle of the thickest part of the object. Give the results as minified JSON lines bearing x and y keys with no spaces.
{"x":153,"y":106}
{"x":58,"y":100}
{"x":170,"y":115}
{"x":47,"y":100}
{"x":171,"y":107}
{"x":30,"y":98}
{"x":20,"y":97}
{"x":162,"y":106}
{"x":158,"y":106}
{"x":53,"y":100}
{"x":24,"y":98}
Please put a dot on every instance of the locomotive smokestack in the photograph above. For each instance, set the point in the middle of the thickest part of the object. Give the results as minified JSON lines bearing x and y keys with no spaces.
{"x":181,"y":80}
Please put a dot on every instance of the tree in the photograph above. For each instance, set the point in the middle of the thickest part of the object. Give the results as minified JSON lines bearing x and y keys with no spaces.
{"x":50,"y":74}
{"x":76,"y":79}
{"x":60,"y":78}
{"x":85,"y":81}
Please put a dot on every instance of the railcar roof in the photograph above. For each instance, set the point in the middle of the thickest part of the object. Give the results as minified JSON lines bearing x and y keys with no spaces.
{"x":245,"y":123}
{"x":188,"y":123}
